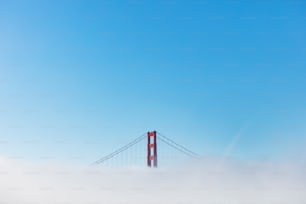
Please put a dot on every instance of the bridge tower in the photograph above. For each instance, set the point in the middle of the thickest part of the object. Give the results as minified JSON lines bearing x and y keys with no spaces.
{"x":152,"y":150}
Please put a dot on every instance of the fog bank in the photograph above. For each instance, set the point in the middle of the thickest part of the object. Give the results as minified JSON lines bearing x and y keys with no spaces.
{"x":208,"y":181}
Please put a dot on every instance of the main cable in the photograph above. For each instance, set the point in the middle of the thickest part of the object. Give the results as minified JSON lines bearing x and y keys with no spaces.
{"x":178,"y":145}
{"x":178,"y":149}
{"x":118,"y":151}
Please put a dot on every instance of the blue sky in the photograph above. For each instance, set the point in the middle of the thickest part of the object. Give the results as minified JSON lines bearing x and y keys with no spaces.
{"x":80,"y":78}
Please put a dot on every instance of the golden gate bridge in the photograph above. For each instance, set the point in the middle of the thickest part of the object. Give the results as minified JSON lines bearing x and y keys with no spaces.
{"x":153,"y":147}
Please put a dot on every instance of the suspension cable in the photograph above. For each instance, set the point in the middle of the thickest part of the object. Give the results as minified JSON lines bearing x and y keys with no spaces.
{"x":193,"y":154}
{"x":178,"y":149}
{"x":118,"y":151}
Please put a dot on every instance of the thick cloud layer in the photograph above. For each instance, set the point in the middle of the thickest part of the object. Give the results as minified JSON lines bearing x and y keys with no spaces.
{"x":207,"y":182}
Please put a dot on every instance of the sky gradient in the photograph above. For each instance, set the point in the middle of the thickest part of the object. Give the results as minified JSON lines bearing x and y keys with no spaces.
{"x":80,"y":78}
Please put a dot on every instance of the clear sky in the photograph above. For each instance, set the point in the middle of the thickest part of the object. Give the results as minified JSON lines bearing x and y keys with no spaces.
{"x":81,"y":78}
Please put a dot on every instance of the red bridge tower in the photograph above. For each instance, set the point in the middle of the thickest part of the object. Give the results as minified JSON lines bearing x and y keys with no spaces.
{"x":152,"y":150}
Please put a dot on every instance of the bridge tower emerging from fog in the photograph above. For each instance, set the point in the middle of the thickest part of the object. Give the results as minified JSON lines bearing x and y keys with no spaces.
{"x":152,"y":149}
